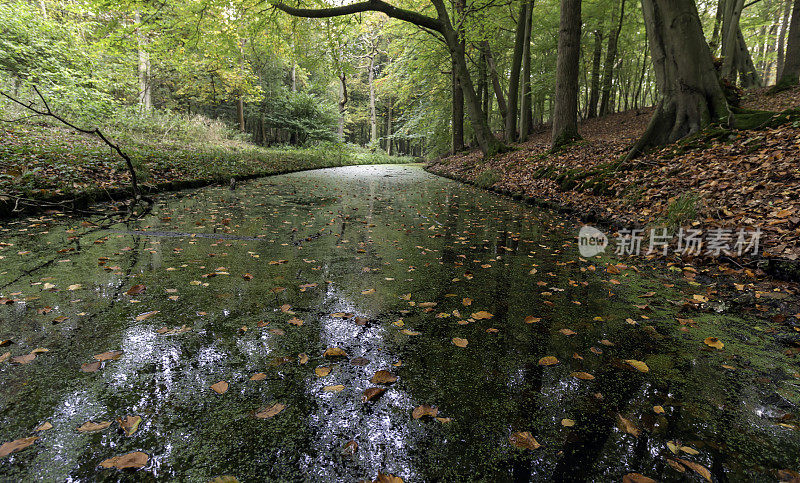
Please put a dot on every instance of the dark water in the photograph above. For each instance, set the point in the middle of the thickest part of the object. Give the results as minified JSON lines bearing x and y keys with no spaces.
{"x":399,"y":231}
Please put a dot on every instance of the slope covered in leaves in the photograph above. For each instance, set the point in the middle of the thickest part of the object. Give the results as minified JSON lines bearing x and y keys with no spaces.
{"x":720,"y":179}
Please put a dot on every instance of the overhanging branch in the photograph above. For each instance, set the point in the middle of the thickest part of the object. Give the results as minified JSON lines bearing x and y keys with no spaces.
{"x":415,"y":18}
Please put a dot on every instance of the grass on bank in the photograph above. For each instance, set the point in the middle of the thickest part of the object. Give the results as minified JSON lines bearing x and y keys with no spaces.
{"x":44,"y":161}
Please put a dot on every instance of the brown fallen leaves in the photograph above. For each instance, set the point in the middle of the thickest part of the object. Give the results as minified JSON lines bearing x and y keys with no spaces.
{"x":16,"y":445}
{"x":627,"y":426}
{"x":134,"y":460}
{"x":109,"y":356}
{"x":714,"y":342}
{"x":335,"y":352}
{"x":270,"y":411}
{"x":129,"y":424}
{"x":136,"y":290}
{"x":322,"y":371}
{"x":220,"y":387}
{"x":91,"y":426}
{"x":585,"y":376}
{"x":523,"y":440}
{"x":383,"y":377}
{"x":636,"y":478}
{"x":638,"y":365}
{"x":482,"y":314}
{"x":548,"y":361}
{"x":372,"y":393}
{"x":424,"y":410}
{"x":459,"y":342}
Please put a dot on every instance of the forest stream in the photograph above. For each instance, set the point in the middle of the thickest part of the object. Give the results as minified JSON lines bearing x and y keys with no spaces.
{"x":350,"y":323}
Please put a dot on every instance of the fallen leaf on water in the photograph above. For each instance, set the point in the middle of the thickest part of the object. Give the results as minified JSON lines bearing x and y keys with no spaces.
{"x":523,"y":440}
{"x":335,"y":388}
{"x":637,"y":478}
{"x":658,"y":409}
{"x":443,"y":420}
{"x":368,"y":291}
{"x":387,"y":478}
{"x":689,"y":450}
{"x":459,"y":342}
{"x":16,"y":445}
{"x":136,"y":289}
{"x":372,"y":393}
{"x":359,"y":361}
{"x":349,"y":449}
{"x":582,"y":375}
{"x":302,"y":358}
{"x":383,"y":377}
{"x":466,"y":301}
{"x":425,"y":410}
{"x":135,"y":460}
{"x":567,"y":423}
{"x":90,"y":426}
{"x":714,"y":342}
{"x":410,"y":332}
{"x":700,"y":298}
{"x":44,"y":426}
{"x":334,"y":352}
{"x":220,"y":387}
{"x":567,"y":331}
{"x":109,"y":356}
{"x":5,"y":356}
{"x":129,"y":424}
{"x":532,"y":320}
{"x":91,"y":366}
{"x":146,"y":315}
{"x":270,"y":411}
{"x":699,"y":469}
{"x":247,"y":276}
{"x":74,"y":287}
{"x":548,"y":361}
{"x":638,"y":365}
{"x":258,"y":376}
{"x":627,"y":426}
{"x":26,"y":359}
{"x":322,"y":371}
{"x":296,"y":321}
{"x":481,"y":314}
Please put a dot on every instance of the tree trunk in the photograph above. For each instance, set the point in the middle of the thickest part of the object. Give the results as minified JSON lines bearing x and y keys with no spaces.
{"x":691,"y":96}
{"x":498,"y":89}
{"x":145,"y":97}
{"x":565,"y":114}
{"x":526,"y":117}
{"x":342,"y":104}
{"x":514,"y":76}
{"x":714,"y":44}
{"x":782,"y":37}
{"x":611,"y":57}
{"x":389,"y":129}
{"x":791,"y":65}
{"x":594,"y":92}
{"x":457,"y":112}
{"x":736,"y":59}
{"x":373,"y":117}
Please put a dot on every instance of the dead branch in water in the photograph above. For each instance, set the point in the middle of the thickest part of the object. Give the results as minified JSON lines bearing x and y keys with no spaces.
{"x":46,"y":111}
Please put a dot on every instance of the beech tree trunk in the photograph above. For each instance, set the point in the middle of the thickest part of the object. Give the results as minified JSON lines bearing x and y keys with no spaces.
{"x":565,"y":113}
{"x":498,"y":89}
{"x":526,"y":117}
{"x":594,"y":91}
{"x":457,"y":113}
{"x":611,"y":57}
{"x":782,"y":37}
{"x":691,"y":96}
{"x":514,"y":76}
{"x":145,"y":95}
{"x":373,"y":117}
{"x":791,"y":65}
{"x":389,"y":129}
{"x":736,"y":59}
{"x":342,"y":104}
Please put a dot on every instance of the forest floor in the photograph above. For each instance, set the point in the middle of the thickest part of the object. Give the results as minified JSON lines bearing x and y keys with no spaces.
{"x":730,"y":179}
{"x":45,"y":163}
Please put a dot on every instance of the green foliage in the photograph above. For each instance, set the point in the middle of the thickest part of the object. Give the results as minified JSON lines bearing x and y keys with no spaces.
{"x":681,"y":211}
